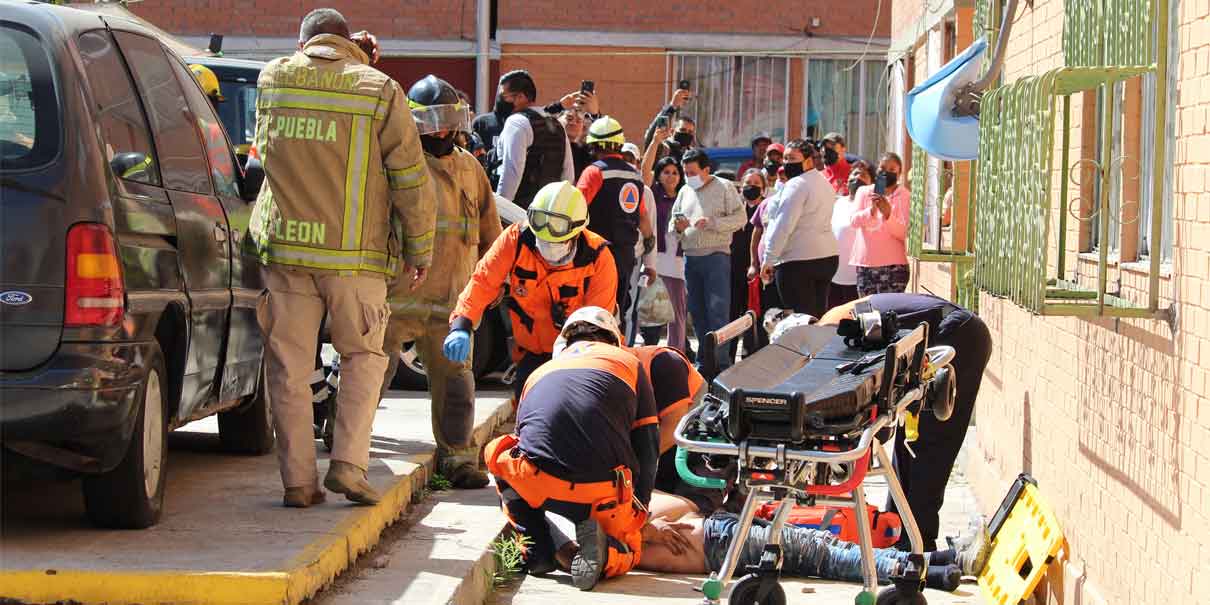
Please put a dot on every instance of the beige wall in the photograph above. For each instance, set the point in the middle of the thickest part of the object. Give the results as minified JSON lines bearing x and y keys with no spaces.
{"x":1111,"y":416}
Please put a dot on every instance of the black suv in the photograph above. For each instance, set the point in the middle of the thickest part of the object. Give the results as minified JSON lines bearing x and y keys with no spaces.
{"x":127,"y":307}
{"x":237,"y":81}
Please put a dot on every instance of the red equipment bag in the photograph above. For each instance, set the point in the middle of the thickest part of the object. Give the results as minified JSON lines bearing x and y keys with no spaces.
{"x":886,"y":527}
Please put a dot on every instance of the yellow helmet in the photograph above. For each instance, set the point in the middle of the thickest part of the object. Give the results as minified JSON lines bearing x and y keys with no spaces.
{"x":558,"y":212}
{"x":205,"y":76}
{"x":606,"y":130}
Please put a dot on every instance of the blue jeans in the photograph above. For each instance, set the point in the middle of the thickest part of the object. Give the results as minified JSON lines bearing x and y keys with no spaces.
{"x":708,"y":281}
{"x":809,"y":553}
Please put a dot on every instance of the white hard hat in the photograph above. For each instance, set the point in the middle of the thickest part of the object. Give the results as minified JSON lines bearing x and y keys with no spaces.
{"x":594,"y":315}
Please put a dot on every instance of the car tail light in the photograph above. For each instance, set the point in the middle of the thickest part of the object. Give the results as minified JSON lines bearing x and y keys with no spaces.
{"x":94,"y":293}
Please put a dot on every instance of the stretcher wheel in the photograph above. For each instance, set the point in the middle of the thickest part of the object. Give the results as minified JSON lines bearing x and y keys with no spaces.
{"x":894,"y":596}
{"x":747,"y":589}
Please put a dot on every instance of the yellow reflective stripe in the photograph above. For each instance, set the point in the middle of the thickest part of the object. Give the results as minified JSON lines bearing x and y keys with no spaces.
{"x":336,"y":260}
{"x":355,"y":181}
{"x":321,"y":100}
{"x":417,"y":245}
{"x":464,"y":225}
{"x":407,"y":178}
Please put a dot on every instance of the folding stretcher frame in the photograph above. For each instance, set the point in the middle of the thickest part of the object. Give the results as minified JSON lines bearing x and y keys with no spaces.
{"x":794,"y":478}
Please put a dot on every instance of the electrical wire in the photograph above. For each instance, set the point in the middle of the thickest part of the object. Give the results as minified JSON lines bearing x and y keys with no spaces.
{"x":869,"y":41}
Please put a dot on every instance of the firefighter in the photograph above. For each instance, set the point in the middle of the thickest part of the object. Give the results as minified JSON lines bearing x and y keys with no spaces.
{"x":614,"y":192}
{"x":346,"y":187}
{"x":585,"y":448}
{"x":553,"y":266}
{"x":467,"y":225}
{"x":221,"y":166}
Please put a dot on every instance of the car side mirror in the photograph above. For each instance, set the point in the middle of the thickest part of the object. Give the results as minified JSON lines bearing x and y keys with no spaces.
{"x":254,"y":177}
{"x":132,"y":165}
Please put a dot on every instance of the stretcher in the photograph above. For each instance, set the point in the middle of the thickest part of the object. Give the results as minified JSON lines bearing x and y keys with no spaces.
{"x":804,"y":421}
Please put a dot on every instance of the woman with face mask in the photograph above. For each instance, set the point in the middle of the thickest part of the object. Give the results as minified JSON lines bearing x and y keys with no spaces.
{"x":800,"y":250}
{"x":844,"y":283}
{"x":669,"y":259}
{"x":752,"y":186}
{"x":881,"y":216}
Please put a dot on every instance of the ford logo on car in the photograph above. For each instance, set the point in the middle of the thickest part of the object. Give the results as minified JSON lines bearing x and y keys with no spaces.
{"x":15,"y":298}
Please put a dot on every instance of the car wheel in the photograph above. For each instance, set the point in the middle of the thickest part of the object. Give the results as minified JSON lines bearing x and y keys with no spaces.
{"x":410,"y":375}
{"x":131,"y":496}
{"x":248,"y":429}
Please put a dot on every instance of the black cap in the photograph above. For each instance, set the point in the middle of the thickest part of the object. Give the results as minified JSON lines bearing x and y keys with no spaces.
{"x":431,"y":90}
{"x":758,"y":138}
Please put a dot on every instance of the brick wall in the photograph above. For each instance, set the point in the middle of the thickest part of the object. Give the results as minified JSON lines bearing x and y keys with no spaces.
{"x":631,"y":88}
{"x":454,"y":19}
{"x":444,"y":19}
{"x":734,"y":16}
{"x":1111,"y":416}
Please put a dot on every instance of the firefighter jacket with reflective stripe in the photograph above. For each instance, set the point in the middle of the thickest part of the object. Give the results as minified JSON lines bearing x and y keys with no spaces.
{"x":541,"y":297}
{"x":346,"y":187}
{"x":614,"y":208}
{"x":543,"y":159}
{"x":467,"y":225}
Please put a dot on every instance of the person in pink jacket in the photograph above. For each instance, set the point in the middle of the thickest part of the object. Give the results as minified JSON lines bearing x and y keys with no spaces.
{"x":881,"y":223}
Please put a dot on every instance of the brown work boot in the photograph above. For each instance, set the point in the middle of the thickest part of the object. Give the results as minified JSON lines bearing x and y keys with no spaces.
{"x":347,"y":479}
{"x":467,"y":476}
{"x":303,"y":497}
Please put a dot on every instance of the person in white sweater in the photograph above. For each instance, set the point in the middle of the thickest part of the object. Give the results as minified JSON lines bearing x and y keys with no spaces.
{"x":844,"y":283}
{"x":706,"y":213}
{"x":801,"y":254}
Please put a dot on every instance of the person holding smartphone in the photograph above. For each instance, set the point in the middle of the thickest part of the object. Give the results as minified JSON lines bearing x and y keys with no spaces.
{"x":880,"y":218}
{"x":685,"y":132}
{"x":801,"y":254}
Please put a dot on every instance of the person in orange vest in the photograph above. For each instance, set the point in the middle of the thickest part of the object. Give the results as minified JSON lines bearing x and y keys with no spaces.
{"x":553,"y":265}
{"x":221,"y":166}
{"x":585,"y":448}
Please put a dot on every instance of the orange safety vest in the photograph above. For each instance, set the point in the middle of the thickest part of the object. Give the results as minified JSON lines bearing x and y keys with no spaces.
{"x":670,"y":412}
{"x":541,"y":296}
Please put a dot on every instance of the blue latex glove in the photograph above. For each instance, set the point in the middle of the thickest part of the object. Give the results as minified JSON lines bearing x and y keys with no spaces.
{"x":457,"y":346}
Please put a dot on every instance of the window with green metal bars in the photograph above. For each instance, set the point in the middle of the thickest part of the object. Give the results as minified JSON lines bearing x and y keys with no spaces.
{"x":1110,"y":47}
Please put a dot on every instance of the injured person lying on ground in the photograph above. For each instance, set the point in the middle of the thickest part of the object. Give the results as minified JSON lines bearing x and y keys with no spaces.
{"x":680,"y":539}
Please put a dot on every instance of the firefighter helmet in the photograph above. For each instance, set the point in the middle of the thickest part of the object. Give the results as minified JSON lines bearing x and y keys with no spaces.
{"x":205,"y":76}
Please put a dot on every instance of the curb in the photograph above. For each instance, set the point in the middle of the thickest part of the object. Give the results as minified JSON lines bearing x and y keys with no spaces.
{"x":299,"y":578}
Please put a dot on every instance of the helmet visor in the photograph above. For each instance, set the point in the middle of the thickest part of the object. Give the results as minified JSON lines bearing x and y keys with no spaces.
{"x":557,"y":225}
{"x":435,"y":118}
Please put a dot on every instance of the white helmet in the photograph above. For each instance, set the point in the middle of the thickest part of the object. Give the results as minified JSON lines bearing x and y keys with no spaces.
{"x":594,"y":315}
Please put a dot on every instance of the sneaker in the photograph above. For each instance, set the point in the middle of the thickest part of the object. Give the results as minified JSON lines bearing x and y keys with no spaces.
{"x":347,"y":479}
{"x":943,"y":577}
{"x":972,"y":548}
{"x":589,"y":562}
{"x":467,"y":476}
{"x":538,"y":565}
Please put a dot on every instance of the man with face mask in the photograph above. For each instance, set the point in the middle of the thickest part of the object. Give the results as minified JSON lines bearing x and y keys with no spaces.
{"x":467,"y":225}
{"x":836,"y":166}
{"x":552,"y":264}
{"x":532,"y":149}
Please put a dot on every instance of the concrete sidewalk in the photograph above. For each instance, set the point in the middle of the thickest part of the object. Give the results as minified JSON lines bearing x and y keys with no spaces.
{"x":641,"y":588}
{"x":224,"y":538}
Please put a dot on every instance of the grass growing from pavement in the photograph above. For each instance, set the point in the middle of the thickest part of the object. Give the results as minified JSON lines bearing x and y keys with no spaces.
{"x":438,"y":483}
{"x":508,"y":551}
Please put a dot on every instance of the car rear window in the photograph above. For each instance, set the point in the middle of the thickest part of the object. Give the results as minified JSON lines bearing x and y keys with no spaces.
{"x":29,"y":110}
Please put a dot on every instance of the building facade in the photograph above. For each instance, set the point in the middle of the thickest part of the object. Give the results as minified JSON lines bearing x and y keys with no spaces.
{"x":754,"y":68}
{"x":1099,"y":385}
